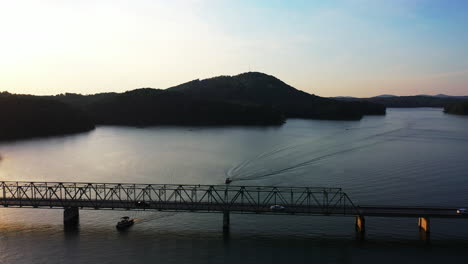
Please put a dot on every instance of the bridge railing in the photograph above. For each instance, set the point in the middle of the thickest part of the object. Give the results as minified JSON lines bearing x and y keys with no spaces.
{"x":321,"y":200}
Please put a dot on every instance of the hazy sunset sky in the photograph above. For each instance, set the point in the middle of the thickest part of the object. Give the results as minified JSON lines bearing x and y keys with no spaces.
{"x":328,"y":48}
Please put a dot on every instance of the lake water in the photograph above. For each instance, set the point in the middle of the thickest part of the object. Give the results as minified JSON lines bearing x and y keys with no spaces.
{"x":408,"y":157}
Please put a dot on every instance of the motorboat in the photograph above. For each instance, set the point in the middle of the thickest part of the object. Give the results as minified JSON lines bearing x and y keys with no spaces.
{"x":228,"y":180}
{"x":125,"y":222}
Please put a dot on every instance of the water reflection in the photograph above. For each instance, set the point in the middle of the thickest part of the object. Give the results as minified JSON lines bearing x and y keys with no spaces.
{"x":414,"y":157}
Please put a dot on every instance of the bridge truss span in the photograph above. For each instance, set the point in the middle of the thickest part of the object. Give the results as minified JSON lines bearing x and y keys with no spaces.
{"x":174,"y":197}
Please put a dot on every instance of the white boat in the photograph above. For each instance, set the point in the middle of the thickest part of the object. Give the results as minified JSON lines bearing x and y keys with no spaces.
{"x":125,"y":222}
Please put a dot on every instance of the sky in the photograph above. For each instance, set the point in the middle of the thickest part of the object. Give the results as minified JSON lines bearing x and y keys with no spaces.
{"x":356,"y":48}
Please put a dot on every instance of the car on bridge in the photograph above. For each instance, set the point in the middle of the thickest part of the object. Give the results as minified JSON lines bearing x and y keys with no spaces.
{"x":142,"y":204}
{"x":277,"y":207}
{"x":462,"y":211}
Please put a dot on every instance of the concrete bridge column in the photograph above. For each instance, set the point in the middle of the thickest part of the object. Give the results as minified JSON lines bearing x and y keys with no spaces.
{"x":424,"y":228}
{"x":71,"y":216}
{"x":424,"y":224}
{"x":226,"y":220}
{"x":360,"y":224}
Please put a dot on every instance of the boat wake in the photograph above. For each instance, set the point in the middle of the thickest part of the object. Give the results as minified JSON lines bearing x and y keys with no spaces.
{"x":154,"y":216}
{"x":295,"y":158}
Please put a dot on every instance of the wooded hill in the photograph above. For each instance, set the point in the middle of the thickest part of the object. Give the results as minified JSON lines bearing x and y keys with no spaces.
{"x":246,"y":99}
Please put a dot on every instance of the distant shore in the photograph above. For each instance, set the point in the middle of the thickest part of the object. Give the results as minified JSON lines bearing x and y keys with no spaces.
{"x":248,"y":99}
{"x":458,"y":108}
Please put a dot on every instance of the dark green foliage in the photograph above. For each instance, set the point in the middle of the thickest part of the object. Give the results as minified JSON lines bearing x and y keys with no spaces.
{"x":408,"y":101}
{"x":23,"y":116}
{"x":146,"y":107}
{"x":369,"y":108}
{"x":413,"y":101}
{"x":246,"y":99}
{"x":459,"y":108}
{"x":80,"y":101}
{"x":262,"y":89}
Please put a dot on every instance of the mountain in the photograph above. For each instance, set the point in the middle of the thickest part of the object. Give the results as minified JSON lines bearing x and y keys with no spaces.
{"x":385,"y":96}
{"x":250,"y":98}
{"x":450,"y":96}
{"x":266,"y":90}
{"x":343,"y":97}
{"x":440,"y":96}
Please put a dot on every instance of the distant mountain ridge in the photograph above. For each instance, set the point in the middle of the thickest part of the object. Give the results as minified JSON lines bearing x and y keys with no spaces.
{"x":422,"y":100}
{"x":391,"y":95}
{"x":447,"y":96}
{"x":385,"y":96}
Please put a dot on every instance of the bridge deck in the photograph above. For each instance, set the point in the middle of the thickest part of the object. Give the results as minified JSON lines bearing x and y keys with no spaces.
{"x":202,"y":198}
{"x":382,"y":211}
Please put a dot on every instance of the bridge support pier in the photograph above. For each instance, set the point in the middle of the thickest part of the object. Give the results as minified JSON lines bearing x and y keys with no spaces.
{"x":360,"y":225}
{"x":424,"y":228}
{"x":71,"y":216}
{"x":424,"y":224}
{"x":226,"y":221}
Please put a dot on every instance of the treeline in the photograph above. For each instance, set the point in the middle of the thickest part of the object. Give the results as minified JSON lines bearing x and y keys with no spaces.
{"x":149,"y":107}
{"x":24,"y":116}
{"x":458,"y":108}
{"x":247,"y":99}
{"x":408,"y":101}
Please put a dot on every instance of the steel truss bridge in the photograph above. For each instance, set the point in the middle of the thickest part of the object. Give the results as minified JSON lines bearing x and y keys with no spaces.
{"x":170,"y":197}
{"x":224,"y":199}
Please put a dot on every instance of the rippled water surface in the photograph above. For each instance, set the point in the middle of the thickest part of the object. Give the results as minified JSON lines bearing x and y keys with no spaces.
{"x":409,"y":157}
